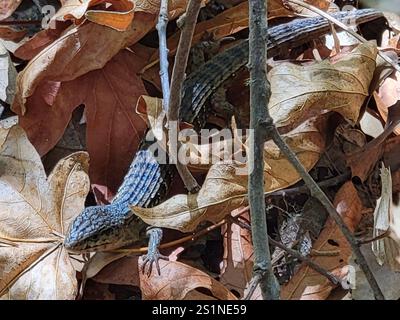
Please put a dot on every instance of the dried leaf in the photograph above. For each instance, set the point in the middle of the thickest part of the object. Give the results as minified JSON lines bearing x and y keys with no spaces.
{"x":386,"y":221}
{"x":7,"y":8}
{"x":117,"y":16}
{"x":35,"y":212}
{"x":11,"y":34}
{"x":298,"y":92}
{"x":307,"y":284}
{"x":389,"y":281}
{"x":225,"y":187}
{"x":71,"y":56}
{"x":237,"y":268}
{"x":109,"y":96}
{"x":177,"y":280}
{"x":8,"y":76}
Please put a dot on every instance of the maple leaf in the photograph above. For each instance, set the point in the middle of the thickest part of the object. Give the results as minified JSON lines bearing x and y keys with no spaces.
{"x":114,"y":130}
{"x":35,"y":212}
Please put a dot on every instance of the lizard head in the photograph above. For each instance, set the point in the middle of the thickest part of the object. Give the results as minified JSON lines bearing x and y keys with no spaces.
{"x":102,"y":228}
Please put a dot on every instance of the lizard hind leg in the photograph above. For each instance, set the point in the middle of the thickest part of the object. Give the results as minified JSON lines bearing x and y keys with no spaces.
{"x":153,"y":255}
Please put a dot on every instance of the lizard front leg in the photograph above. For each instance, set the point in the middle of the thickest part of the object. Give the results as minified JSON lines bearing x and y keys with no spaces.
{"x":153,"y":254}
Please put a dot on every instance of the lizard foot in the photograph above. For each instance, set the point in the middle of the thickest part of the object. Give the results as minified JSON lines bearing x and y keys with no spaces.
{"x":153,"y":254}
{"x":153,"y":258}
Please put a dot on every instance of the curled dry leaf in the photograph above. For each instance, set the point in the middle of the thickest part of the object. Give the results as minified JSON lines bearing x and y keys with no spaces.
{"x":8,"y":76}
{"x":307,"y":284}
{"x":298,"y":92}
{"x":387,"y":96}
{"x":386,"y":221}
{"x":72,"y":56}
{"x":117,"y":16}
{"x":225,"y":187}
{"x":177,"y":280}
{"x":237,"y":268}
{"x":35,"y":213}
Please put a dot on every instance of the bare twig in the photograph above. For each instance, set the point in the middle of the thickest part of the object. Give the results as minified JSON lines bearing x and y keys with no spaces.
{"x":260,"y":93}
{"x":332,"y":278}
{"x":254,"y":282}
{"x":317,"y":193}
{"x":162,"y":36}
{"x":271,"y":132}
{"x":178,"y":76}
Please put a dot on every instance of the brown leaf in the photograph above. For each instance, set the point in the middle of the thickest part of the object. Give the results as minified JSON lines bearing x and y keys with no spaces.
{"x":35,"y":212}
{"x":225,"y":187}
{"x":29,"y":49}
{"x":117,"y":16}
{"x":7,"y":8}
{"x":387,"y":96}
{"x":109,"y":95}
{"x":307,"y":284}
{"x":10,"y":34}
{"x":71,"y":56}
{"x":177,"y":280}
{"x":237,"y":268}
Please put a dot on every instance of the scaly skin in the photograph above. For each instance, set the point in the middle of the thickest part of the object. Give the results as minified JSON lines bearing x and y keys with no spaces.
{"x":146,"y":183}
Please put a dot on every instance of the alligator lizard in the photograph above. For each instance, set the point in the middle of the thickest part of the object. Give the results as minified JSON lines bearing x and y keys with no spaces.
{"x":146,"y":183}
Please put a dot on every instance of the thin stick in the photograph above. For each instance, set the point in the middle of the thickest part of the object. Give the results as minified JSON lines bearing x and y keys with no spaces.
{"x":254,"y":282}
{"x":317,"y":193}
{"x":164,"y":65}
{"x":178,"y":76}
{"x":260,"y":92}
{"x":271,"y":132}
{"x":342,"y":26}
{"x":332,"y":278}
{"x":20,"y":23}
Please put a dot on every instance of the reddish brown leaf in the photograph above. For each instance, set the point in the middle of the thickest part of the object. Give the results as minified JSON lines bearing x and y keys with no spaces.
{"x":114,"y":130}
{"x":11,"y":34}
{"x":177,"y":280}
{"x":72,"y":55}
{"x":238,"y":257}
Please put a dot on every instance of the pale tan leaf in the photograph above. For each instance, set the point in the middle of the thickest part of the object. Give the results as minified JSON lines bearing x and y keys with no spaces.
{"x":8,"y":76}
{"x":7,"y":8}
{"x":298,"y":92}
{"x":34,"y":212}
{"x":386,"y":221}
{"x":225,"y":187}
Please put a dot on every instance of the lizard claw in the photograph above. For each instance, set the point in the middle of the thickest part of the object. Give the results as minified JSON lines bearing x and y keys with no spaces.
{"x":152,"y":258}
